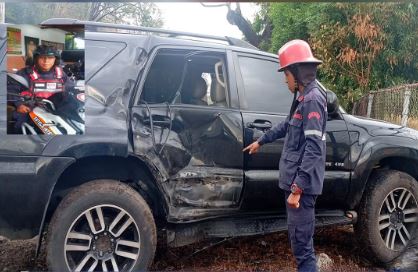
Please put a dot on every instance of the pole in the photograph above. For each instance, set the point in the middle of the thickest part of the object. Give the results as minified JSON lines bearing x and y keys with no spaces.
{"x":369,"y":105}
{"x":405,"y":110}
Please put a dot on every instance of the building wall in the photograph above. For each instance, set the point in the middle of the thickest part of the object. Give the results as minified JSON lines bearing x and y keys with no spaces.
{"x":17,"y":61}
{"x":52,"y":35}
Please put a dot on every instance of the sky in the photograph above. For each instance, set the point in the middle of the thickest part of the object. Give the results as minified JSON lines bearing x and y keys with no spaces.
{"x":193,"y":17}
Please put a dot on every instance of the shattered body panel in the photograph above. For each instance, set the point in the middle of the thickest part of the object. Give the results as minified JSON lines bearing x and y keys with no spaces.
{"x":198,"y":179}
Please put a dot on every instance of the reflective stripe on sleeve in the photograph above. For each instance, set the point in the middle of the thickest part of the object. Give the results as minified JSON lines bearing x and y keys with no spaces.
{"x":314,"y":132}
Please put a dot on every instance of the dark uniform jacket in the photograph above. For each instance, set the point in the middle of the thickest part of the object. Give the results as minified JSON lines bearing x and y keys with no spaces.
{"x":303,"y":157}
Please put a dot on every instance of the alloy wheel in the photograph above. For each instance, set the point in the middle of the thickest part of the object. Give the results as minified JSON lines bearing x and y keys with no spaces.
{"x":398,"y":217}
{"x":102,"y":238}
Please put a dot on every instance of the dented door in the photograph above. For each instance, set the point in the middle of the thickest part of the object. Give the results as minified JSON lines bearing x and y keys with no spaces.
{"x":197,"y":148}
{"x":200,"y":158}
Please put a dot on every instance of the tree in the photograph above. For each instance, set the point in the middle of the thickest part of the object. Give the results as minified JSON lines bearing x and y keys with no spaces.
{"x":144,"y":14}
{"x":292,"y":21}
{"x":254,"y":35}
{"x":351,"y":49}
{"x":367,"y":47}
{"x":27,"y":13}
{"x":138,"y":13}
{"x":364,"y":46}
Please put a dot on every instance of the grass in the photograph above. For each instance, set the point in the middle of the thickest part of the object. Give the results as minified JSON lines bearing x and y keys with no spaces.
{"x":397,"y":119}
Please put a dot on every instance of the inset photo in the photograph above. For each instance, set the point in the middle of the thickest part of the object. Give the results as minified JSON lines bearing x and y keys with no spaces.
{"x":45,"y":80}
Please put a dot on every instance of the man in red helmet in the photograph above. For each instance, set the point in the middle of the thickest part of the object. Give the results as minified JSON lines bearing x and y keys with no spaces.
{"x":302,"y":164}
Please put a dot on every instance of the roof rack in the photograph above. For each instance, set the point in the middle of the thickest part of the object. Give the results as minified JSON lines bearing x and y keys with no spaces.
{"x":62,"y":22}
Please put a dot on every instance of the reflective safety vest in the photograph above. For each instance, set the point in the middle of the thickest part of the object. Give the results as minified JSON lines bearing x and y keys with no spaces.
{"x":45,"y":88}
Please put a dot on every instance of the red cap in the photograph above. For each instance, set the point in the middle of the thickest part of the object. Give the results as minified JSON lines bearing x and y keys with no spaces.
{"x":295,"y":51}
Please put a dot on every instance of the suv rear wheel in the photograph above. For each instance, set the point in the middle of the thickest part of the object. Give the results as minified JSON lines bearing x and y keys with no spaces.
{"x":388,"y":214}
{"x":102,"y":225}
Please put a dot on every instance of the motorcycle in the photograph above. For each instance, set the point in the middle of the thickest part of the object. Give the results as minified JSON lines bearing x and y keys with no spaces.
{"x":52,"y":116}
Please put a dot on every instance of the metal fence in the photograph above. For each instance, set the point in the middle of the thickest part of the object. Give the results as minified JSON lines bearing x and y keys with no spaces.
{"x":398,"y":105}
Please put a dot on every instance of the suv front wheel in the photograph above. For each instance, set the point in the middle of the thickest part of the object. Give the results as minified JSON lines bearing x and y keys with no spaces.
{"x":388,"y":214}
{"x":102,"y":225}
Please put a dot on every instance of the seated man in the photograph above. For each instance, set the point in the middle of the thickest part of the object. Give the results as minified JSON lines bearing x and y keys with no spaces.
{"x":45,"y":79}
{"x":196,"y":92}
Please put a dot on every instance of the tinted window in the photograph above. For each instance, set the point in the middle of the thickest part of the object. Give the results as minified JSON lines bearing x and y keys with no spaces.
{"x":163,"y":79}
{"x":265,"y":88}
{"x":186,"y":77}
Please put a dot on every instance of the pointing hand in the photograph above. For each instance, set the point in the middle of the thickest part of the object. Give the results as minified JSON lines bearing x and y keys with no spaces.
{"x":253,"y":148}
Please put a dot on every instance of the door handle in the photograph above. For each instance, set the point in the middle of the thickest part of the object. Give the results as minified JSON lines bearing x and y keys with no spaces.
{"x":260,"y":124}
{"x":158,"y":120}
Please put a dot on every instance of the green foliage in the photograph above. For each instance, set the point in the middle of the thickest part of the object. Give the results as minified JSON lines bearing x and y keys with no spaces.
{"x":259,"y":25}
{"x":138,"y":13}
{"x":69,"y":41}
{"x":364,"y":46}
{"x":27,"y":13}
{"x":293,"y":21}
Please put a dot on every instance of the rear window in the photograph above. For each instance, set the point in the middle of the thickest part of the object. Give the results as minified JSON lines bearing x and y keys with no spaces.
{"x":98,"y":53}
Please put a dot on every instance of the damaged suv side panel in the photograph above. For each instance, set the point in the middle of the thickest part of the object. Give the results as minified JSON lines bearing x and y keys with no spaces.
{"x":180,"y":136}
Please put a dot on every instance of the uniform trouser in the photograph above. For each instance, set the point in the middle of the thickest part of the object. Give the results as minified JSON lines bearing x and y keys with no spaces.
{"x":301,"y":227}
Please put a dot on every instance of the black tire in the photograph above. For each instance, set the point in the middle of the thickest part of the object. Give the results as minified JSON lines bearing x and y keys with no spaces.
{"x":105,"y":236}
{"x":377,"y":226}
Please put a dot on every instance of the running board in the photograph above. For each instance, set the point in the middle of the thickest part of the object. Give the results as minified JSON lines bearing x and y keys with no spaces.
{"x":185,"y":234}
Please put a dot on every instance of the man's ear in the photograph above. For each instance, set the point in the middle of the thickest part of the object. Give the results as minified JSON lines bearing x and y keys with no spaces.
{"x":296,"y":86}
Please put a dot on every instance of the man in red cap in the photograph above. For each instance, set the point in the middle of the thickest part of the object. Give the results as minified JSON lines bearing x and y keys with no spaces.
{"x":302,"y":163}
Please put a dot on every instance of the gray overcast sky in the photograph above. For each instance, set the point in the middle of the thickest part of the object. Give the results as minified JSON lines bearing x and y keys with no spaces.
{"x":193,"y":17}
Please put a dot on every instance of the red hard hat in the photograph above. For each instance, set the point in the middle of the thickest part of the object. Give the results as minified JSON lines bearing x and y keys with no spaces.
{"x":295,"y":51}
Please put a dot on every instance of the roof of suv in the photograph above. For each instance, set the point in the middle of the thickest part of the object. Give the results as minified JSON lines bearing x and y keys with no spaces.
{"x":160,"y":36}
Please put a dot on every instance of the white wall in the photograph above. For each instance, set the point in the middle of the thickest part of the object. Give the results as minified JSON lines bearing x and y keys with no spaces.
{"x":52,"y":35}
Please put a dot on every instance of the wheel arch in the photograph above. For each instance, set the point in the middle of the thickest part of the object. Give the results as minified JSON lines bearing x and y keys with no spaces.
{"x":403,"y":159}
{"x":129,"y":170}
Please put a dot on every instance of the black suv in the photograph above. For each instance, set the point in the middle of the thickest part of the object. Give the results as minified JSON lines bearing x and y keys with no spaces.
{"x":167,"y":116}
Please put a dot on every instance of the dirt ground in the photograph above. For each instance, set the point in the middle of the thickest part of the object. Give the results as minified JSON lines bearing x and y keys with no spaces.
{"x":257,"y":253}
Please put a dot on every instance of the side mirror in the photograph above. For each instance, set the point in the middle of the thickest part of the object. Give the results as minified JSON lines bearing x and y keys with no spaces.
{"x":332,"y":103}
